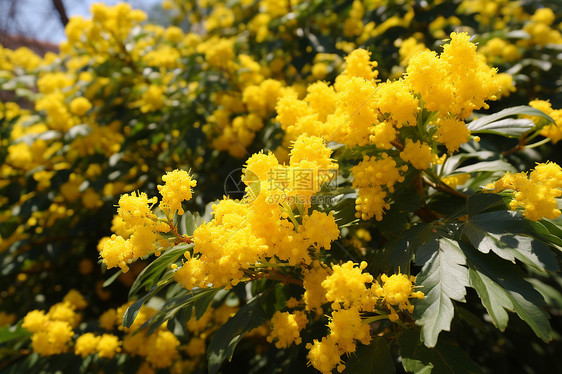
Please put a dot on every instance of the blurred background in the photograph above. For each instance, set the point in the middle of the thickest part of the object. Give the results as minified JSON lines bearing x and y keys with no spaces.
{"x":39,"y":24}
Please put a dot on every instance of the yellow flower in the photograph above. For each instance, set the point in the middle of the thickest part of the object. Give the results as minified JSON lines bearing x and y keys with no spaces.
{"x":325,"y":355}
{"x":395,"y":291}
{"x":359,"y":64}
{"x":86,"y":344}
{"x":419,"y":154}
{"x":177,"y":188}
{"x":108,"y":319}
{"x":370,"y":176}
{"x":75,"y":299}
{"x":346,"y":327}
{"x":162,"y":349}
{"x":117,"y":252}
{"x":320,"y":229}
{"x":452,"y":132}
{"x":286,"y":328}
{"x":80,"y":106}
{"x":396,"y":100}
{"x":536,"y":193}
{"x":108,"y":346}
{"x":53,"y":340}
{"x":35,"y":321}
{"x":152,"y":99}
{"x":135,"y":209}
{"x":346,"y":285}
{"x":314,"y":295}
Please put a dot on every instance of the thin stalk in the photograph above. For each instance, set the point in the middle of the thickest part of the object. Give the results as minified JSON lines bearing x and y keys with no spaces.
{"x":537,"y":144}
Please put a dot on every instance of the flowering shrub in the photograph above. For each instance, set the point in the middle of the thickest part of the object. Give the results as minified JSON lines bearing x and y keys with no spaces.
{"x":380,"y":218}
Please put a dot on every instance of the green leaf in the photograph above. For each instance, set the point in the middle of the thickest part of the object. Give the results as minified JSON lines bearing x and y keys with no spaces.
{"x":198,"y":299}
{"x":152,"y":273}
{"x":511,"y":127}
{"x":8,"y":333}
{"x":552,"y":296}
{"x":189,"y":223}
{"x":494,"y":166}
{"x":372,"y":359}
{"x":132,"y":311}
{"x":400,"y":254}
{"x":112,"y":279}
{"x":501,"y":287}
{"x":443,"y":278}
{"x":497,"y":231}
{"x":554,"y":236}
{"x":227,"y":337}
{"x":445,"y":358}
{"x":479,"y":202}
{"x":201,"y":303}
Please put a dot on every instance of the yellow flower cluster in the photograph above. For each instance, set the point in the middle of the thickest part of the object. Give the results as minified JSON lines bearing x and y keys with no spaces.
{"x":52,"y":331}
{"x":456,"y":82}
{"x":106,"y":345}
{"x":536,"y":193}
{"x":374,"y":178}
{"x":159,"y":349}
{"x":552,"y":130}
{"x":352,"y":292}
{"x":136,"y":219}
{"x":498,"y":50}
{"x":177,"y":188}
{"x":409,"y":48}
{"x":108,"y":26}
{"x":21,"y":58}
{"x":52,"y":334}
{"x":241,"y":114}
{"x":358,"y":111}
{"x":395,"y":291}
{"x":286,"y":328}
{"x":263,"y":226}
{"x":418,"y":154}
{"x":539,"y":28}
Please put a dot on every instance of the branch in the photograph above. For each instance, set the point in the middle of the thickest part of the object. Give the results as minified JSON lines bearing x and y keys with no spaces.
{"x":445,"y":188}
{"x":59,"y":6}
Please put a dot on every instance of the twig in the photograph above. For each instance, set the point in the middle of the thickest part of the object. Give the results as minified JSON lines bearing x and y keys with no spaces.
{"x":272,"y":274}
{"x":445,"y":188}
{"x":180,"y":238}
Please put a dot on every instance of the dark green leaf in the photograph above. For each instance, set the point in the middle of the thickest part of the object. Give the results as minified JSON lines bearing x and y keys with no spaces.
{"x":489,"y":124}
{"x":554,"y":230}
{"x":400,"y":254}
{"x":445,"y":358}
{"x":372,"y":359}
{"x":497,"y":231}
{"x":198,"y":298}
{"x":202,"y":302}
{"x":112,"y":279}
{"x":501,"y":286}
{"x":133,"y":311}
{"x":496,"y":165}
{"x":511,"y":127}
{"x":227,"y":337}
{"x":480,"y":202}
{"x":152,"y":273}
{"x":443,"y":278}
